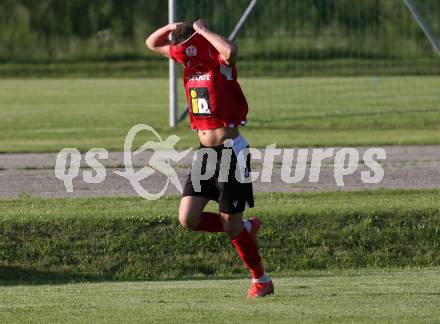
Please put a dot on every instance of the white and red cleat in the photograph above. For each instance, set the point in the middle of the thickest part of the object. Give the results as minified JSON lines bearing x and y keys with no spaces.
{"x":260,"y":289}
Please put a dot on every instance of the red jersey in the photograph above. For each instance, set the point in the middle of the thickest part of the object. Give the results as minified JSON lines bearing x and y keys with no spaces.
{"x":215,"y":98}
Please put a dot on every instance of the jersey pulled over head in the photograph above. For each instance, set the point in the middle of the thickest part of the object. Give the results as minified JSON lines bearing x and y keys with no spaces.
{"x":192,"y":51}
{"x":215,"y":98}
{"x":182,"y":32}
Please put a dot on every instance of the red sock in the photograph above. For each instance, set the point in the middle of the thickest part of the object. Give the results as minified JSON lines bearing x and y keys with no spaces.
{"x":210,"y":222}
{"x":248,"y":251}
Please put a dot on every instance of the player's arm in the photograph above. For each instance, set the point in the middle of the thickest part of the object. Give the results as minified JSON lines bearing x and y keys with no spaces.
{"x":158,"y":41}
{"x":227,"y":49}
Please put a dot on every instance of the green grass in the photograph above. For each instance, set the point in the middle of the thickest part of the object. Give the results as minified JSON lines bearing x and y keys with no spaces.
{"x":361,"y":296}
{"x":42,"y":115}
{"x":47,"y":240}
{"x":141,"y":66}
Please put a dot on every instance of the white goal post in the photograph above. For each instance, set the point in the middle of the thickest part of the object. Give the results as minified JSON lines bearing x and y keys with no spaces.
{"x":423,"y":25}
{"x":172,"y":71}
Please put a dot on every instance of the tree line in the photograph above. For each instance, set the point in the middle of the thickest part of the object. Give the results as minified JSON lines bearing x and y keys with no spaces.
{"x":52,"y":28}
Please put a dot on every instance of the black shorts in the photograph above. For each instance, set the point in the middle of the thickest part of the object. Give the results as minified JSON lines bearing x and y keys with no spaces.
{"x":232,"y":188}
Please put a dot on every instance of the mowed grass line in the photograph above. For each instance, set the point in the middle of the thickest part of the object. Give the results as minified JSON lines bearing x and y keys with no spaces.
{"x":355,"y":296}
{"x":46,"y":115}
{"x":59,"y":240}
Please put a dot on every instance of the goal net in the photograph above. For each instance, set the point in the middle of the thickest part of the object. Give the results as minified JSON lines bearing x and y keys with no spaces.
{"x":316,"y":66}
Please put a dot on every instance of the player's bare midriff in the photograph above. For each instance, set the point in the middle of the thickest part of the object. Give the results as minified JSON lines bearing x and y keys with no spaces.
{"x":214,"y":137}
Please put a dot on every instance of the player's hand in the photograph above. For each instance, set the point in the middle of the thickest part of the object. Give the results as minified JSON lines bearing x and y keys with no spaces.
{"x":200,"y":26}
{"x":173,"y":26}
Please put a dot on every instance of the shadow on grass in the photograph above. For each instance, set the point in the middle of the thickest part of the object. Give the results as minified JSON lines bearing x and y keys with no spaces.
{"x":11,"y":275}
{"x":14,"y":275}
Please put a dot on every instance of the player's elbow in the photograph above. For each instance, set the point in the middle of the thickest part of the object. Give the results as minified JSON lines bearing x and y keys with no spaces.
{"x":149,"y":43}
{"x":230,"y":54}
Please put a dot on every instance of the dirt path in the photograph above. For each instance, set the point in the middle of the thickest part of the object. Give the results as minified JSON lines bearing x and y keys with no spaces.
{"x":33,"y":174}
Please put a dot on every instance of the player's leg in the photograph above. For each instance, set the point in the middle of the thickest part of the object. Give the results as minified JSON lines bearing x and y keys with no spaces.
{"x":192,"y":204}
{"x":247,"y":249}
{"x":235,"y":195}
{"x":244,"y":243}
{"x":232,"y":224}
{"x":190,"y":211}
{"x":192,"y":216}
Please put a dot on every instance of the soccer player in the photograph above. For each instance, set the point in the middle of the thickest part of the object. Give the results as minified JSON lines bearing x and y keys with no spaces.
{"x":217,"y":107}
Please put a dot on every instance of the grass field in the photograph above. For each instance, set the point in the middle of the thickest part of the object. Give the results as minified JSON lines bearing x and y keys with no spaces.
{"x":40,"y":115}
{"x":351,"y":296}
{"x":52,"y":249}
{"x":128,"y":238}
{"x":307,"y":63}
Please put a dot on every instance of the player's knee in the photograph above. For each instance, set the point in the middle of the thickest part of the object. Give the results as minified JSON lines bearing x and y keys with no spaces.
{"x":184,"y":221}
{"x":232,"y":225}
{"x":190,"y":212}
{"x":188,"y":220}
{"x":232,"y":231}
